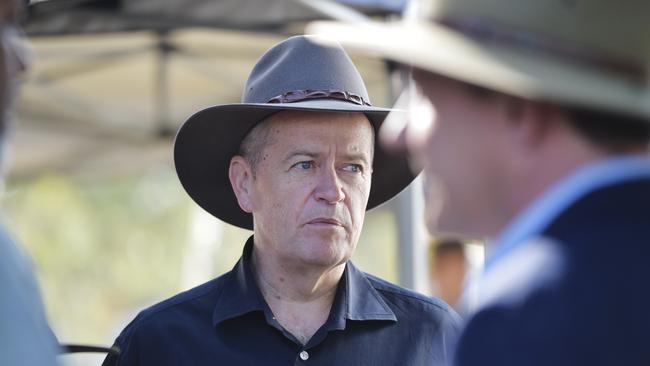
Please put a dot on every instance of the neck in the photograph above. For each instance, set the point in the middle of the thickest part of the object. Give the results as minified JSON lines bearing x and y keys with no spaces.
{"x":555,"y":161}
{"x":295,"y":283}
{"x":300,"y":297}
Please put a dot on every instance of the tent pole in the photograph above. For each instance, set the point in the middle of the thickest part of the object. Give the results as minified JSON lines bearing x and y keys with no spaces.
{"x":162,"y":112}
{"x":408,"y":208}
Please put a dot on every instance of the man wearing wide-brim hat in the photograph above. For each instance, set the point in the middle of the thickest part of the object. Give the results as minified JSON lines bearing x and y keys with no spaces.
{"x":295,"y":162}
{"x":533,"y":130}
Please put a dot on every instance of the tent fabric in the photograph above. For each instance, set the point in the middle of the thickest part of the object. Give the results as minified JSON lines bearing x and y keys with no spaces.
{"x":57,"y":17}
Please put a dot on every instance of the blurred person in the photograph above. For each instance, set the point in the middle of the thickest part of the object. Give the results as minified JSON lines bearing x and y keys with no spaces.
{"x":25,"y":338}
{"x":533,"y":129}
{"x":447,"y":269}
{"x":294,"y":163}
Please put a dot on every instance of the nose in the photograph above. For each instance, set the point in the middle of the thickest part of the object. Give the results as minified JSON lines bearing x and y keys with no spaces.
{"x":17,"y":54}
{"x":393,"y":133}
{"x":404,"y":129}
{"x":329,"y":188}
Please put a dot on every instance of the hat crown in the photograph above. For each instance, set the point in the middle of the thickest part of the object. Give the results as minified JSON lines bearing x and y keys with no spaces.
{"x":618,"y":30}
{"x":302,"y":63}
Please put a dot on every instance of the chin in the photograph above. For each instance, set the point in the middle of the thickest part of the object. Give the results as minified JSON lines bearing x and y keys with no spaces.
{"x":463,"y":226}
{"x":443,"y":221}
{"x":325,"y":252}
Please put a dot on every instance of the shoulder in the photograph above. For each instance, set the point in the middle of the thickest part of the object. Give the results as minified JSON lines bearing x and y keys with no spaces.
{"x":185,"y":310}
{"x":410,"y":304}
{"x":14,"y":261}
{"x":196,"y":298}
{"x":394,"y":291}
{"x":200,"y":297}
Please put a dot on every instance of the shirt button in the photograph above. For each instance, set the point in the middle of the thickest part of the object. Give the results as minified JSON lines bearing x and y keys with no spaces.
{"x":304,"y":355}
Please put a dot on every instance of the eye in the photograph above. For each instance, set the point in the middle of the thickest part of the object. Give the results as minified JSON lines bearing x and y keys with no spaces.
{"x":353,"y":168}
{"x":303,"y":165}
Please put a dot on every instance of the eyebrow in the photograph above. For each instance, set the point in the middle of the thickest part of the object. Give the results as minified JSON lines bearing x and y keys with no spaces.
{"x":356,"y":157}
{"x":293,"y":154}
{"x":313,"y":155}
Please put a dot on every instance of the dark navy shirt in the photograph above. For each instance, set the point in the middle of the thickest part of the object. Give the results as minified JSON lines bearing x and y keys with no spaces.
{"x":227,"y":322}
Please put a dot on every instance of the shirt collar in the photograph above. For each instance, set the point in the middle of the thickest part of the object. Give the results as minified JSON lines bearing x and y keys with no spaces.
{"x":361,"y":301}
{"x":356,"y":298}
{"x":541,"y":213}
{"x":240,"y":294}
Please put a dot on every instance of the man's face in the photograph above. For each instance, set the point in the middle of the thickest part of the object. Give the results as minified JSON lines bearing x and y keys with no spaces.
{"x":12,"y":62}
{"x":459,"y":145}
{"x":5,"y":18}
{"x":311,"y":186}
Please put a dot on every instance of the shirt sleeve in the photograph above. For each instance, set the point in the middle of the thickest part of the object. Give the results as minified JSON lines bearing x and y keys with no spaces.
{"x":25,"y":337}
{"x":128,"y":350}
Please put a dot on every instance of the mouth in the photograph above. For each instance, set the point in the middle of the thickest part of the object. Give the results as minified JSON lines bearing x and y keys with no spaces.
{"x":325,"y":222}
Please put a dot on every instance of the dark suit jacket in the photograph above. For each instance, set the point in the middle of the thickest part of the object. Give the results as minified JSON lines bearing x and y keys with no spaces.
{"x":594,"y":306}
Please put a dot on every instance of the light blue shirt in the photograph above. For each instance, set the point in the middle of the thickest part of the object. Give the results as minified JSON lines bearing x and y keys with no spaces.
{"x":539,"y":214}
{"x":25,"y":338}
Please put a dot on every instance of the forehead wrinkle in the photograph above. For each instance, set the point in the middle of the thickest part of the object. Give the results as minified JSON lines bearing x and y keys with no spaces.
{"x":291,"y":123}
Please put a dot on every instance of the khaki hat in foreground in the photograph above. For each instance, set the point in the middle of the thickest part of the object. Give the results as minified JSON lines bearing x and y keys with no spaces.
{"x":593,"y":54}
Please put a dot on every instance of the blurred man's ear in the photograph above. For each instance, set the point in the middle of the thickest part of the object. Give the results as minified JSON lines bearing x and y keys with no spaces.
{"x":241,"y":179}
{"x":530,"y":121}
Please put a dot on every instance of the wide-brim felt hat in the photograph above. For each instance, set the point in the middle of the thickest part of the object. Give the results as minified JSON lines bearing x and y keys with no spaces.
{"x":299,"y":73}
{"x":591,"y":54}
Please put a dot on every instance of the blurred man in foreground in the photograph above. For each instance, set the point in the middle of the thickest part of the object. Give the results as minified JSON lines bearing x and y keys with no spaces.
{"x":25,"y":338}
{"x":293,"y":162}
{"x":536,"y":135}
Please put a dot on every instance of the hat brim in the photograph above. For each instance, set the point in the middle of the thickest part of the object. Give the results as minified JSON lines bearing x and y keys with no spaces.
{"x":208,"y":140}
{"x":520,"y":72}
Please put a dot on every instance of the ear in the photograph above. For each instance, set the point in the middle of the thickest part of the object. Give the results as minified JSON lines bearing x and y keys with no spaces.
{"x":530,"y":122}
{"x":241,"y":180}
